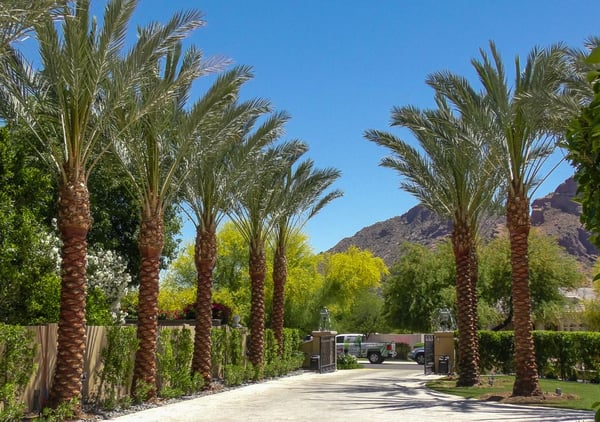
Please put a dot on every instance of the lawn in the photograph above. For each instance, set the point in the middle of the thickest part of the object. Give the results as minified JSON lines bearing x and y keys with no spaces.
{"x":573,"y":395}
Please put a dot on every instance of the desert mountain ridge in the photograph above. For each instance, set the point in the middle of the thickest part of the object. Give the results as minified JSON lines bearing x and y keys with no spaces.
{"x":555,"y":214}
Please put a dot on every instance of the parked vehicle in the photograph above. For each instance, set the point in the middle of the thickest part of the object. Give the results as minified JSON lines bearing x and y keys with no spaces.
{"x":357,"y":345}
{"x":418,"y":355}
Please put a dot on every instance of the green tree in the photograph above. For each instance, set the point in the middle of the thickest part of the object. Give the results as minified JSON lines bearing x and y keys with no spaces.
{"x":303,"y":195}
{"x":346,"y":276}
{"x":583,"y":144}
{"x":419,"y":283}
{"x":28,"y":274}
{"x":550,"y":270}
{"x":523,"y":140}
{"x":453,"y":174}
{"x":116,"y":211}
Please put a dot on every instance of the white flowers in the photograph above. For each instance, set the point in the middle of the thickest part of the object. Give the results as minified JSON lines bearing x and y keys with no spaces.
{"x":106,"y":270}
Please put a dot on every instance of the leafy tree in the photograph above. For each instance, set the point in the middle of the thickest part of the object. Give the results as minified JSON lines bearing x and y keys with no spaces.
{"x":346,"y":276}
{"x":452,"y":173}
{"x":366,"y":316}
{"x":550,"y":270}
{"x":583,"y":144}
{"x":418,"y":284}
{"x":116,"y":212}
{"x":28,"y":276}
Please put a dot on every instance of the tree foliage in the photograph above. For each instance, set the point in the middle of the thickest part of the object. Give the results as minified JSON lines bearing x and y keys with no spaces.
{"x":422,"y":282}
{"x":583,"y":144}
{"x":348,"y":274}
{"x":419,"y":283}
{"x":551,"y":269}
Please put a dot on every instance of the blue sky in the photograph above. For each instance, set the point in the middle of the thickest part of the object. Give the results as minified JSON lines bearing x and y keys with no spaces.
{"x":339,"y":66}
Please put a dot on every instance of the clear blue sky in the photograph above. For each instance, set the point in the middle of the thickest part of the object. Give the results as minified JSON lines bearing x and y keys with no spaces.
{"x":339,"y":66}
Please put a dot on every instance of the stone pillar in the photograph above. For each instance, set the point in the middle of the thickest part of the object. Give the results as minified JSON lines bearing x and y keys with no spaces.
{"x":444,"y":346}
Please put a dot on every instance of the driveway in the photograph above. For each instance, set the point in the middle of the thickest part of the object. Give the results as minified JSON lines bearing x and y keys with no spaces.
{"x":390,"y":391}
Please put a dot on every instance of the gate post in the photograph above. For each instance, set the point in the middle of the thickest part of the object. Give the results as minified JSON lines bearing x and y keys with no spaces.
{"x":324,"y":346}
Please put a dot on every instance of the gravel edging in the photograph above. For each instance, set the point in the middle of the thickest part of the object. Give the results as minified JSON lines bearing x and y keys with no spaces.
{"x":92,"y":413}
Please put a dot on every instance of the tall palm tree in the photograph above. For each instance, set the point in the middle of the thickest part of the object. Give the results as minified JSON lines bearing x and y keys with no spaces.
{"x":255,"y":203}
{"x":206,"y":194}
{"x":153,"y":152}
{"x":303,"y":195}
{"x":526,"y":139}
{"x":70,"y":106}
{"x":450,"y":174}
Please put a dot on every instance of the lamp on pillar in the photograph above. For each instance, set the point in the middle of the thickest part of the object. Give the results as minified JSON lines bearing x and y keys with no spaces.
{"x":325,"y":321}
{"x":443,"y":320}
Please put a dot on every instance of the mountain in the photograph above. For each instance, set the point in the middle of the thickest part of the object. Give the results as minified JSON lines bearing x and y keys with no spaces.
{"x":556,"y":215}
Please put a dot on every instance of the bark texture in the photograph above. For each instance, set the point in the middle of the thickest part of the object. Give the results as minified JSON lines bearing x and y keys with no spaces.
{"x":526,"y":374}
{"x":258,"y":270}
{"x":468,"y":364}
{"x":205,"y":257}
{"x":74,"y":222}
{"x":151,"y":241}
{"x":279,"y":280}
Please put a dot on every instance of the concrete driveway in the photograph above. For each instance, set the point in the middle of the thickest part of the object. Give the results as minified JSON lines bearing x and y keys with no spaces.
{"x":391,"y":391}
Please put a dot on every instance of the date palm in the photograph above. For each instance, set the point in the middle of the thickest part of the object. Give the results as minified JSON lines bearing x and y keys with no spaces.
{"x":302,"y":192}
{"x":154,"y":152}
{"x":206,"y":193}
{"x":70,"y":106}
{"x":255,"y":202}
{"x":450,"y":173}
{"x":526,"y":138}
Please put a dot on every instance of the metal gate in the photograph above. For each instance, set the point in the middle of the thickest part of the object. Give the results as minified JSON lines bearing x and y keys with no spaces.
{"x":327,"y":354}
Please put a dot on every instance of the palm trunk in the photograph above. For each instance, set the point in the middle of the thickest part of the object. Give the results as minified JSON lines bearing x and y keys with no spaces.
{"x":474,"y":266}
{"x":517,"y":217}
{"x":74,"y":222}
{"x":279,"y":280}
{"x":258,"y":270}
{"x":463,"y":245}
{"x":205,"y":257}
{"x":151,"y":241}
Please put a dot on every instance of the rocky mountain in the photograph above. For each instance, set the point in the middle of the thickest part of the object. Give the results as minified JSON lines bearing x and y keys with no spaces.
{"x":555,"y":214}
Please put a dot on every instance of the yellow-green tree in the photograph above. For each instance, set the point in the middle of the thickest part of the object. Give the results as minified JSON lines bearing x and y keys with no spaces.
{"x":346,"y":276}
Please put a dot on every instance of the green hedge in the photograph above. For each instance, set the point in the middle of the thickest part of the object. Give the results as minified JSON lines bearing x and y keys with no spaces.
{"x":17,"y":353}
{"x":557,"y":352}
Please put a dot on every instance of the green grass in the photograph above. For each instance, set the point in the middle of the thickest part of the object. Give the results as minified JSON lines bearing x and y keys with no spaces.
{"x":575,"y":395}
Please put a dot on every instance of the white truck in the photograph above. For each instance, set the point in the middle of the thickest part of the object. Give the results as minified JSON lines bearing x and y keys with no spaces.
{"x":357,"y":345}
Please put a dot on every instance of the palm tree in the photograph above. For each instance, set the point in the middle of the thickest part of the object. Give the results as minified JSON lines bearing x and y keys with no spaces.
{"x":70,"y":106}
{"x":302,"y":196}
{"x":255,"y":202}
{"x":526,"y":138}
{"x":153,"y":153}
{"x":206,"y":192}
{"x":451,"y":175}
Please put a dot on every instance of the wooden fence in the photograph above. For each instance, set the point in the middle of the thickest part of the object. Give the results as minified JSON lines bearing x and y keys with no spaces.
{"x":35,"y":395}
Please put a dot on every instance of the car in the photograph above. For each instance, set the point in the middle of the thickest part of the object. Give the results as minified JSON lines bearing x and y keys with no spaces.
{"x":418,"y":355}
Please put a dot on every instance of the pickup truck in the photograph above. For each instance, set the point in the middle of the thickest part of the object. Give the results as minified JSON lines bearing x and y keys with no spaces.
{"x":356,"y":345}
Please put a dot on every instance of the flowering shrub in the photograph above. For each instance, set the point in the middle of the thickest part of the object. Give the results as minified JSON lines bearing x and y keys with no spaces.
{"x":106,"y":271}
{"x":222,"y":312}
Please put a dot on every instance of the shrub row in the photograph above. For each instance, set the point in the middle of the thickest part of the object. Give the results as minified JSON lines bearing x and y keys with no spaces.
{"x":559,"y":354}
{"x":17,"y":353}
